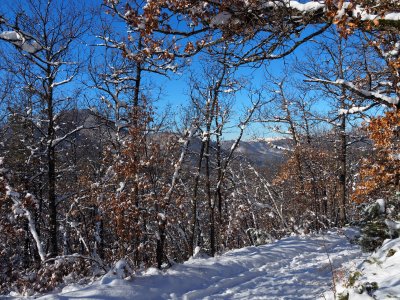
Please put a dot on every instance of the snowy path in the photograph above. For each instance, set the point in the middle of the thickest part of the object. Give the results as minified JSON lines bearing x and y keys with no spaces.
{"x":292,"y":268}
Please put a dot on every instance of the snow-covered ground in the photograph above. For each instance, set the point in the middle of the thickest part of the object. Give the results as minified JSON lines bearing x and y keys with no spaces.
{"x":378,"y":277}
{"x":298,"y":267}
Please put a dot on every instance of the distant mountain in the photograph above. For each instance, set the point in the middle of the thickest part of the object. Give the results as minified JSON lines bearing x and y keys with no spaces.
{"x":262,"y":153}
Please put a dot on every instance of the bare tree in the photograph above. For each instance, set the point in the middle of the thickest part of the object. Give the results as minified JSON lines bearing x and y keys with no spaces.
{"x":347,"y":61}
{"x":45,"y":59}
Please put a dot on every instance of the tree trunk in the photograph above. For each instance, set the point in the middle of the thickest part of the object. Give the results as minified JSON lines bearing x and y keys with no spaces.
{"x":51,"y":172}
{"x":342,"y":173}
{"x":194,"y":202}
{"x":160,"y":244}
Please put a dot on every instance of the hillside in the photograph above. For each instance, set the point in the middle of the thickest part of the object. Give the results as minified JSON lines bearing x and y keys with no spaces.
{"x":262,"y":153}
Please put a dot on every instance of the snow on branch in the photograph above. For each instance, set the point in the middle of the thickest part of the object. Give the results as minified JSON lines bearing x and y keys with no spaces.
{"x":365,"y":14}
{"x":308,"y":7}
{"x":62,"y":82}
{"x":314,"y":11}
{"x":347,"y":7}
{"x":20,"y":210}
{"x":20,"y":41}
{"x":242,"y":126}
{"x":354,"y":110}
{"x":76,"y":256}
{"x":56,"y":141}
{"x":375,"y":96}
{"x":188,"y":136}
{"x":30,"y":45}
{"x":270,"y":192}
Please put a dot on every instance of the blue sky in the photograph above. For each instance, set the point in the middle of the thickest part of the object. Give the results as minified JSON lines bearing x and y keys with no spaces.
{"x":175,"y":88}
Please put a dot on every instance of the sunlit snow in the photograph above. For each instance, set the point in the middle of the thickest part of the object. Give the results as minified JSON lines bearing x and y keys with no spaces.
{"x":298,"y":267}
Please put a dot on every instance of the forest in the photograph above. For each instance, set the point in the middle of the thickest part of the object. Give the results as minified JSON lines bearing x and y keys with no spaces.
{"x":96,"y":167}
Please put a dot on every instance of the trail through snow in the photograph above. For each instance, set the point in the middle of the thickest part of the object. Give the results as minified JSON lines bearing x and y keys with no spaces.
{"x":298,"y":267}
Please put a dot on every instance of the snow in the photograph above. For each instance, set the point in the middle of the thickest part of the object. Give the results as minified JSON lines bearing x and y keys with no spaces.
{"x":392,"y":16}
{"x":311,"y":6}
{"x":358,"y":11}
{"x":120,"y":271}
{"x":382,"y":205}
{"x":10,"y":36}
{"x":353,"y":110}
{"x":199,"y":253}
{"x":19,"y":210}
{"x":393,"y":226}
{"x":381,"y":270}
{"x":303,"y":7}
{"x":161,"y":216}
{"x":392,"y":100}
{"x":270,"y":139}
{"x":18,"y":40}
{"x":383,"y":99}
{"x":121,"y":187}
{"x":297,"y":267}
{"x":365,"y":15}
{"x":306,"y":7}
{"x":221,"y":18}
{"x":56,"y":141}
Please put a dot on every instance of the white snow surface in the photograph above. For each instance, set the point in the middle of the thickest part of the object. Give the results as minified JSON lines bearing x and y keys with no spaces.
{"x":18,"y":40}
{"x":296,"y":267}
{"x":382,"y":205}
{"x":353,"y":110}
{"x":381,"y":268}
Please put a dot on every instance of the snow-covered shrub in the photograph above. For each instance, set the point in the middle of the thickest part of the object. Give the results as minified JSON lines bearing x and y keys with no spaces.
{"x":379,"y":174}
{"x":199,"y":253}
{"x":18,"y":252}
{"x":377,"y":276}
{"x":379,"y":178}
{"x":378,"y":224}
{"x":53,"y":274}
{"x":121,"y":270}
{"x":259,"y":237}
